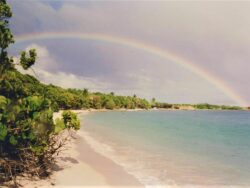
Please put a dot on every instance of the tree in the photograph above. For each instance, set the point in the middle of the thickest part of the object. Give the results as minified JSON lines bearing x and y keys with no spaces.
{"x":153,"y":101}
{"x":85,"y":92}
{"x":28,"y":134}
{"x":70,"y":120}
{"x":6,"y":37}
{"x":110,"y":104}
{"x":97,"y":102}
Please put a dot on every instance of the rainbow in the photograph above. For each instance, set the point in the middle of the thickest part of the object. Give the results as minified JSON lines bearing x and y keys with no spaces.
{"x":131,"y":43}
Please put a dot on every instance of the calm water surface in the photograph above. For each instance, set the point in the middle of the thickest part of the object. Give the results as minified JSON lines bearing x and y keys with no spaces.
{"x":175,"y":147}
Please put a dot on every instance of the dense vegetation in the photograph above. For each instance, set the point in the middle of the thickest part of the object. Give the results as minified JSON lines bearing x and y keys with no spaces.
{"x":203,"y":106}
{"x":29,"y":138}
{"x":217,"y":107}
{"x":83,"y":99}
{"x":77,"y":99}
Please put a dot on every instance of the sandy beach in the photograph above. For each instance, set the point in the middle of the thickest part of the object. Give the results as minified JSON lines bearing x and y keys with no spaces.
{"x":80,"y":166}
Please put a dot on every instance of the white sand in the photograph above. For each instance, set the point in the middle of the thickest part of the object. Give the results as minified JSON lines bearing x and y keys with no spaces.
{"x":84,"y":168}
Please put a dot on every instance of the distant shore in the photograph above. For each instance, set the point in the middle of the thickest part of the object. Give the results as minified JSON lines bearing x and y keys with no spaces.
{"x":185,"y":108}
{"x":86,"y":111}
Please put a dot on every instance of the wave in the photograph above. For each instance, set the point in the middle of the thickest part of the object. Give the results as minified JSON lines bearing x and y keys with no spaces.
{"x":132,"y":162}
{"x":132,"y":165}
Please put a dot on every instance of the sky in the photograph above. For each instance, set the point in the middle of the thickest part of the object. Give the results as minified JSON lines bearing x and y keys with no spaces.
{"x":213,"y":36}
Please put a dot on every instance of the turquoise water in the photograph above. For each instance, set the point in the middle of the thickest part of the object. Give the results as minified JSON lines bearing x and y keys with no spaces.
{"x":175,"y":147}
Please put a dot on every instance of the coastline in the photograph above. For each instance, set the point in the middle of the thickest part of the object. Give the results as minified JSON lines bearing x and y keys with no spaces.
{"x":80,"y":166}
{"x":86,"y":111}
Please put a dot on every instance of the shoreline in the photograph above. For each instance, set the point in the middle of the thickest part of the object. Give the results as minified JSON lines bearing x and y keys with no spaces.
{"x":114,"y":174}
{"x":86,"y":111}
{"x":80,"y":166}
{"x":83,"y":167}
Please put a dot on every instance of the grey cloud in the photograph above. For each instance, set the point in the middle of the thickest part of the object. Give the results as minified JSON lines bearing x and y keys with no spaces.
{"x":212,"y":35}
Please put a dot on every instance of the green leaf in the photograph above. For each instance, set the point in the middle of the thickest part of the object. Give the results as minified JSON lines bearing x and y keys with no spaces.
{"x":59,"y":125}
{"x":27,"y":61}
{"x":31,"y":136}
{"x":13,"y":140}
{"x":34,"y":103}
{"x":3,"y":132}
{"x":3,"y":102}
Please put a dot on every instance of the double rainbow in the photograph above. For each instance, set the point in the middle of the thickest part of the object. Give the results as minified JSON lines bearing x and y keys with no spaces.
{"x":218,"y":83}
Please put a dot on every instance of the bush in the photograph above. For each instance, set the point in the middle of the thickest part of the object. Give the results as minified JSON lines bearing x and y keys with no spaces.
{"x":70,"y":120}
{"x":110,"y":104}
{"x":29,"y":138}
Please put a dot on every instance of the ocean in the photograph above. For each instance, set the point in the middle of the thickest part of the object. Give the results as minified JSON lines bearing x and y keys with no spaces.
{"x":159,"y":148}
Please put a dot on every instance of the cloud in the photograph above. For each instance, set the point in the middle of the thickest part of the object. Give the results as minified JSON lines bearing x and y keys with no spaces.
{"x":54,"y":4}
{"x":45,"y":61}
{"x":44,"y":70}
{"x":212,"y":35}
{"x":66,"y":80}
{"x":144,"y":79}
